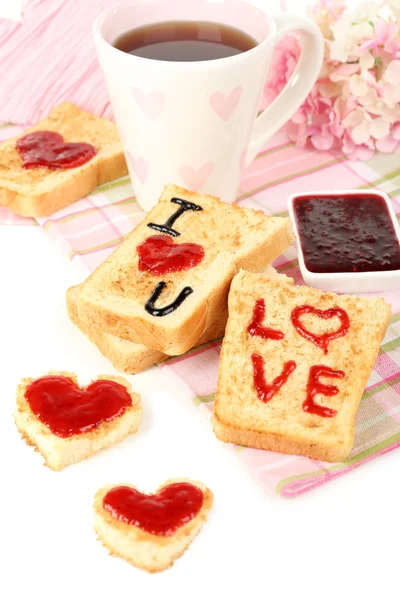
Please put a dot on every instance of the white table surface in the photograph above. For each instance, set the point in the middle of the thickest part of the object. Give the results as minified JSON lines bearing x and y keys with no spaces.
{"x":339,"y":541}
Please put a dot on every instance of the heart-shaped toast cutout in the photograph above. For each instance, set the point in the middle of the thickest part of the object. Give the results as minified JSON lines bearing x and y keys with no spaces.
{"x":68,"y":409}
{"x":159,"y":254}
{"x":161,"y":513}
{"x":321,"y":340}
{"x":48,"y":149}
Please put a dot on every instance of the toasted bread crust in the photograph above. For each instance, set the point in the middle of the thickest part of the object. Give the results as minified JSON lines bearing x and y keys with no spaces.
{"x":113,"y":298}
{"x":151,"y":334}
{"x":124,"y":355}
{"x":279,"y":443}
{"x":60,"y":452}
{"x":153,"y":553}
{"x":281,"y":424}
{"x":29,"y":194}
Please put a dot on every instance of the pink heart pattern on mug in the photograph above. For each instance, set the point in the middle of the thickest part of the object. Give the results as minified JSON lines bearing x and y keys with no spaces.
{"x":140,"y":167}
{"x":225,"y":106}
{"x":152,"y":104}
{"x":194,"y":179}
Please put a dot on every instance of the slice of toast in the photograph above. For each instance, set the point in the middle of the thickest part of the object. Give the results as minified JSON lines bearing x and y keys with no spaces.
{"x":254,"y":405}
{"x":59,"y":452}
{"x":39,"y":192}
{"x":120,"y":298}
{"x":124,"y":355}
{"x":144,"y":550}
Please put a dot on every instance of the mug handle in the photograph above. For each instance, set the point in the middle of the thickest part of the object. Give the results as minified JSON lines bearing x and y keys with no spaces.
{"x":299,"y":85}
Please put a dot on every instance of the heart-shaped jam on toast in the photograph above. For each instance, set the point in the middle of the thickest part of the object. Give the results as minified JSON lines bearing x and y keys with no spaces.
{"x":159,"y":255}
{"x":321,"y":340}
{"x":67,"y":423}
{"x":150,"y":531}
{"x":159,"y":514}
{"x":68,"y":409}
{"x":48,"y":149}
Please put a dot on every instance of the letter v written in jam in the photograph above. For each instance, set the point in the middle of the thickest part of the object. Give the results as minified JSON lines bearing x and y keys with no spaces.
{"x":265,"y":391}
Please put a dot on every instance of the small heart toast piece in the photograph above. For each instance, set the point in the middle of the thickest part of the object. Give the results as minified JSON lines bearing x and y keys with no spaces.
{"x":67,"y":423}
{"x":294,"y":365}
{"x":151,"y":531}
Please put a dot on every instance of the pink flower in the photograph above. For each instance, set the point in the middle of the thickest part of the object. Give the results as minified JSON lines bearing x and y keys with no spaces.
{"x":323,"y":139}
{"x":344,"y":71}
{"x":325,"y":13}
{"x":355,"y":104}
{"x":297,"y":132}
{"x":283,"y":63}
{"x":386,"y":40}
{"x":396,"y":132}
{"x":356,"y":152}
{"x":387,"y":144}
{"x":387,"y":34}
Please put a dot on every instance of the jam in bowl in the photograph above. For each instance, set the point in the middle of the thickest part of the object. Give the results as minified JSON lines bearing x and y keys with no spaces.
{"x":347,"y":240}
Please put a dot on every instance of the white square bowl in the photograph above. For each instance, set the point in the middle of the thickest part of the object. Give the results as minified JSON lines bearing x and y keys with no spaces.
{"x":367,"y":281}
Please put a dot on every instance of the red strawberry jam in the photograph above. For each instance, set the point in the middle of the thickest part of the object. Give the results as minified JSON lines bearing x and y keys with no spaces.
{"x":68,"y":410}
{"x":159,"y":255}
{"x":256,"y":328}
{"x":346,"y":234}
{"x":322,"y":340}
{"x":161,"y":513}
{"x":315,"y":387}
{"x":266,"y":391}
{"x":48,"y":149}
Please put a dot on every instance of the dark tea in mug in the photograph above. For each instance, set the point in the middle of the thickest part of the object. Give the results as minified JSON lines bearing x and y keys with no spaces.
{"x":185,"y":41}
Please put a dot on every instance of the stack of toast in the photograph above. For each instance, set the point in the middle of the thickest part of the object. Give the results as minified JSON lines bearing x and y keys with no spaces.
{"x":137,"y":316}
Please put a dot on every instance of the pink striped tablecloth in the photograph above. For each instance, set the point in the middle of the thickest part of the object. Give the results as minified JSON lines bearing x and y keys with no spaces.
{"x":91,"y":228}
{"x":49,"y":58}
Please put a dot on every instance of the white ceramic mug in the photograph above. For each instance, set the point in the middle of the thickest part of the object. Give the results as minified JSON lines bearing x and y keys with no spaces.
{"x":195,"y":124}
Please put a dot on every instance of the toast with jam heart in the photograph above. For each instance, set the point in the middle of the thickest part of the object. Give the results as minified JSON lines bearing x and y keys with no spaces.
{"x":294,"y":365}
{"x":67,"y":423}
{"x":58,"y":161}
{"x":166,"y":282}
{"x":151,"y":531}
{"x":124,"y":355}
